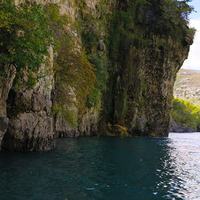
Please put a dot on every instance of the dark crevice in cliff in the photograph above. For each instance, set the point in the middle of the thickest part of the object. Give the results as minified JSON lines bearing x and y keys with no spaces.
{"x":12,"y":110}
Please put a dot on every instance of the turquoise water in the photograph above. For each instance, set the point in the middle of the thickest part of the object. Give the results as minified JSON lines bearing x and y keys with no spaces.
{"x":105,"y":168}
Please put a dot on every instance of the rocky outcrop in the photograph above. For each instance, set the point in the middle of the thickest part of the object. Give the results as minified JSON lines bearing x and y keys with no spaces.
{"x":89,"y":123}
{"x":63,"y":128}
{"x":179,"y":128}
{"x":157,"y":76}
{"x":88,"y":126}
{"x":143,"y":70}
{"x":30,"y":126}
{"x":143,"y":91}
{"x":29,"y":132}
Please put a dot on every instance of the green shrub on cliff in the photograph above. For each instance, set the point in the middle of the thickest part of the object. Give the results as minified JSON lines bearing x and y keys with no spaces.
{"x":25,"y":38}
{"x":93,"y":31}
{"x":100,"y":65}
{"x":26,"y":33}
{"x":74,"y":74}
{"x":184,"y":112}
{"x":147,"y":22}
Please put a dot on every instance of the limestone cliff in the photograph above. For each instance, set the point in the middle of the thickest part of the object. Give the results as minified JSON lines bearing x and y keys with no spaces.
{"x":142,"y":90}
{"x":30,"y":126}
{"x":145,"y":56}
{"x":111,"y":73}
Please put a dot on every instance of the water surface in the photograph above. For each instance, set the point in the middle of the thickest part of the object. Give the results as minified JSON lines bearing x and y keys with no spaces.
{"x":105,"y":168}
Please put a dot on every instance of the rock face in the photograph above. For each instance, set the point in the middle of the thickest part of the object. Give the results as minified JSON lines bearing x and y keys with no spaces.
{"x":5,"y":86}
{"x":143,"y":70}
{"x":143,"y":92}
{"x":139,"y":88}
{"x":30,"y":126}
{"x":88,"y":126}
{"x":29,"y":132}
{"x":89,"y":123}
{"x":157,"y":77}
{"x":178,"y":128}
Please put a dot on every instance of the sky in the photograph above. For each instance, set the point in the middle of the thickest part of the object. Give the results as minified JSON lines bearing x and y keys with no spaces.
{"x":193,"y":61}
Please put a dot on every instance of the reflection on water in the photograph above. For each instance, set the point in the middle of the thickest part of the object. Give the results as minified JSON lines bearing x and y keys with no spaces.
{"x":183,"y":164}
{"x":105,"y":168}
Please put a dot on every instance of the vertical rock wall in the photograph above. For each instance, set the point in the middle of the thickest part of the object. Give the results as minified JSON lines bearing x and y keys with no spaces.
{"x":30,"y":126}
{"x":27,"y":121}
{"x":145,"y":58}
{"x":141,"y":91}
{"x":90,"y":13}
{"x":157,"y":75}
{"x":137,"y":99}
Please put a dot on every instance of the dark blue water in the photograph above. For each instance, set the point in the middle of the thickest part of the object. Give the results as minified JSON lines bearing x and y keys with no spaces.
{"x":105,"y":168}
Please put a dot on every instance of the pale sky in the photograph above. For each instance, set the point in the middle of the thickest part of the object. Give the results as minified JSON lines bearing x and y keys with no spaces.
{"x":193,"y":61}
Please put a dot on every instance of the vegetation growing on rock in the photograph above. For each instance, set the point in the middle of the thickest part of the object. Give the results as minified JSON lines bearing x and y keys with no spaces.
{"x":148,"y":41}
{"x":115,"y":59}
{"x":25,"y":38}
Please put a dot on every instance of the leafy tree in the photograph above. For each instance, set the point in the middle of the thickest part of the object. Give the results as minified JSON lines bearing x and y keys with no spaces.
{"x":173,"y":19}
{"x":25,"y":38}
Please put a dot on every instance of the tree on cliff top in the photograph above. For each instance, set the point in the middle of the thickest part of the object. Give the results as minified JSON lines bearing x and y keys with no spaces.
{"x":25,"y":38}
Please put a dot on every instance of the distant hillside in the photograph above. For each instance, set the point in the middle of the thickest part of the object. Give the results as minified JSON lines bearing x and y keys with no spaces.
{"x":187,"y":85}
{"x":194,"y":70}
{"x":185,"y":113}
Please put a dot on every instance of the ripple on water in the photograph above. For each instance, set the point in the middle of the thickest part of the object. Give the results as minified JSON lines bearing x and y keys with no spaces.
{"x":105,"y":168}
